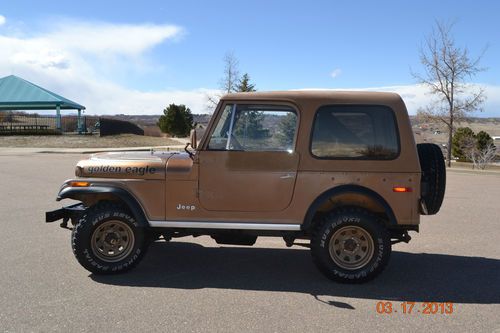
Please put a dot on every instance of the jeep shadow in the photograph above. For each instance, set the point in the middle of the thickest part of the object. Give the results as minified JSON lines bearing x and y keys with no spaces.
{"x":418,"y":277}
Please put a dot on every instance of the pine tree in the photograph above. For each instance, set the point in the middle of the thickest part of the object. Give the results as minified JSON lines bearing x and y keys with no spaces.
{"x":483,"y":140}
{"x":244,"y":84}
{"x":286,"y":129}
{"x":462,"y":138}
{"x":177,"y":120}
{"x":251,"y":123}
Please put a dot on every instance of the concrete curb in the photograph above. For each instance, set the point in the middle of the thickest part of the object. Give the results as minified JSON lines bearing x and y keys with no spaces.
{"x":494,"y":172}
{"x":23,"y":151}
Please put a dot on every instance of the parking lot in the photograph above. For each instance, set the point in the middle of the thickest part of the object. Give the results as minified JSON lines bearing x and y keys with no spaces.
{"x":193,"y":284}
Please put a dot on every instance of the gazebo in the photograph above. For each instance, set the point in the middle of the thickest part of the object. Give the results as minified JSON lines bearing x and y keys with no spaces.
{"x":19,"y":94}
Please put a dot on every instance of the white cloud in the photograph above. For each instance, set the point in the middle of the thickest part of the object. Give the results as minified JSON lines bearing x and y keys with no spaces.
{"x":99,"y":38}
{"x":37,"y":54}
{"x":335,"y":73}
{"x":75,"y":59}
{"x":110,"y":98}
{"x":2,"y":20}
{"x":71,"y":45}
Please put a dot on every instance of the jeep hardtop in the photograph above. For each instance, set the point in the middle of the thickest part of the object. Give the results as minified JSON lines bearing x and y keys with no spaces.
{"x":338,"y":172}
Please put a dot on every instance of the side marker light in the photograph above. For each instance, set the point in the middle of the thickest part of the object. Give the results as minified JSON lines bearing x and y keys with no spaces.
{"x":79,"y":184}
{"x":400,"y":189}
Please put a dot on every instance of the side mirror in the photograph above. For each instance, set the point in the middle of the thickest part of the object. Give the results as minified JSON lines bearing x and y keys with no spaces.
{"x":192,"y":137}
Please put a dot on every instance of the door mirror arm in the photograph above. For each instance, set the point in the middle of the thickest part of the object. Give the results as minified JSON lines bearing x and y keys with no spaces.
{"x":190,"y":153}
{"x":193,"y":143}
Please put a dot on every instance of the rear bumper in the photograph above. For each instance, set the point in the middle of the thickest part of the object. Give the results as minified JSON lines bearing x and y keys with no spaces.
{"x":65,"y":213}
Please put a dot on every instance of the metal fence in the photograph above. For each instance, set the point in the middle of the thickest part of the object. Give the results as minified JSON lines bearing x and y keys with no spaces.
{"x":12,"y":123}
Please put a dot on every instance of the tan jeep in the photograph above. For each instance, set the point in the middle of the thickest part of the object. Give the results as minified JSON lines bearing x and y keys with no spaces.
{"x":340,"y":169}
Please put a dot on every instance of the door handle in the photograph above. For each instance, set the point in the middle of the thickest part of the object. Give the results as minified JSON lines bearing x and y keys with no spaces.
{"x":287,"y":176}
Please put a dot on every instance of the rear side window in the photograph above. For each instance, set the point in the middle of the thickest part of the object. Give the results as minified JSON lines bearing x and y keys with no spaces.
{"x":355,"y":132}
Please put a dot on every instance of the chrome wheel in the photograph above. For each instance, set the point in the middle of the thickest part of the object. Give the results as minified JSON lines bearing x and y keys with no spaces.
{"x":351,"y":247}
{"x":112,"y":241}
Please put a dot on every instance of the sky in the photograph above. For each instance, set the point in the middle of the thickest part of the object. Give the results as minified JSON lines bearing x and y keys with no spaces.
{"x":137,"y":57}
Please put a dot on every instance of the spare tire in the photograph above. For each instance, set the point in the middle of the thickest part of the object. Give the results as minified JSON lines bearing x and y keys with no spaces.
{"x":433,"y":182}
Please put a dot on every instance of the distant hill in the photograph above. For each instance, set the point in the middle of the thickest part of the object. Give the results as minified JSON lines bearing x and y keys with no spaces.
{"x":436,"y":132}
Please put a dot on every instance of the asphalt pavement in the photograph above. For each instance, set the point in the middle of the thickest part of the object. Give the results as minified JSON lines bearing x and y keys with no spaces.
{"x":195,"y":285}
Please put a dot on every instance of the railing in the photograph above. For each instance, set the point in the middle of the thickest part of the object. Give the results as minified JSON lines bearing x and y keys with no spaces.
{"x":11,"y":124}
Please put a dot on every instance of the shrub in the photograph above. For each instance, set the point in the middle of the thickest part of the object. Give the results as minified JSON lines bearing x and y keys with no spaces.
{"x":177,"y":120}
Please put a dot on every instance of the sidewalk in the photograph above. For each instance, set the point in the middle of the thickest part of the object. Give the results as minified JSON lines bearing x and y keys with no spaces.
{"x":488,"y":171}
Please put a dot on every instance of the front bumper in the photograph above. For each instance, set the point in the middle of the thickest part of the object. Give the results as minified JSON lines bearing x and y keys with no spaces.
{"x":73,"y":212}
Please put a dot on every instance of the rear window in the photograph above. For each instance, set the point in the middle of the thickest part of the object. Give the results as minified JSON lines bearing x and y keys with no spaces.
{"x":355,"y":132}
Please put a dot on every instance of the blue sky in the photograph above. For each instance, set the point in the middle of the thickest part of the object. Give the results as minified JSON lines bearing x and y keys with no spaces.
{"x":151,"y":53}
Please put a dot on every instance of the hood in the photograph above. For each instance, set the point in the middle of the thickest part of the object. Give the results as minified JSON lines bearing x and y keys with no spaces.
{"x":126,"y":165}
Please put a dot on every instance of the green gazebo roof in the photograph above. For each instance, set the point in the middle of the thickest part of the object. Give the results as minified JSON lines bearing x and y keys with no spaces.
{"x":19,"y":94}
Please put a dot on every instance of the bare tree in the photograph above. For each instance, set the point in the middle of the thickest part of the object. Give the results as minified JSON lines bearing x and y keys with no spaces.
{"x":228,"y":83}
{"x":446,"y":70}
{"x":480,"y":158}
{"x":231,"y":76}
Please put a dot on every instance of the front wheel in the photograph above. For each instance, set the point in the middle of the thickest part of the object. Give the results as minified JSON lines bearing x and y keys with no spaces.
{"x":350,"y":246}
{"x":108,"y":239}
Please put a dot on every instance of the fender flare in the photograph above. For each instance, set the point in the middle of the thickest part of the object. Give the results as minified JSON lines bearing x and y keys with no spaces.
{"x":344,"y":189}
{"x":126,"y":197}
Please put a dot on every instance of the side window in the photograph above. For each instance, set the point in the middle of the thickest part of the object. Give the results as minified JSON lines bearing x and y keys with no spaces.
{"x":355,"y":132}
{"x":247,"y":127}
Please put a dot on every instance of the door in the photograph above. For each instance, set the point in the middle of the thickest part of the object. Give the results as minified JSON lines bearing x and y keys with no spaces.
{"x":250,"y":163}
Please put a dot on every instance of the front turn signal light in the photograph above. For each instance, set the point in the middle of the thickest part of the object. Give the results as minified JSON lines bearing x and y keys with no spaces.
{"x":79,"y":184}
{"x":401,"y":189}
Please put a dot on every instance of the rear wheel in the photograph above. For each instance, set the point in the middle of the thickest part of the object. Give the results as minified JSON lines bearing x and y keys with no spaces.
{"x":108,"y":239}
{"x":350,"y":246}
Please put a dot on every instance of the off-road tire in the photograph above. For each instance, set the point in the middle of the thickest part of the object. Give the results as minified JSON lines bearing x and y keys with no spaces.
{"x":366,"y":225}
{"x":433,"y":182}
{"x":96,"y":217}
